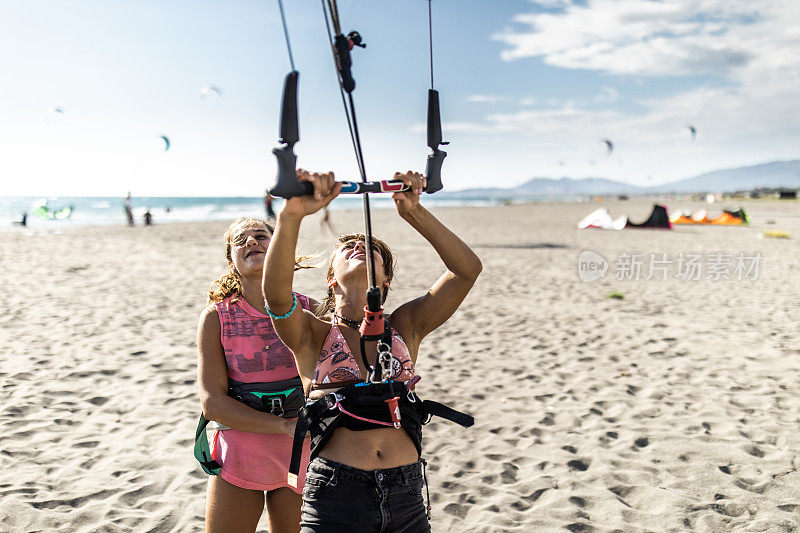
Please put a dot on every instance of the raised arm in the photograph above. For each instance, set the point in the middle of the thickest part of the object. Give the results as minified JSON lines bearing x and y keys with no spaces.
{"x":426,"y":313}
{"x":295,"y":330}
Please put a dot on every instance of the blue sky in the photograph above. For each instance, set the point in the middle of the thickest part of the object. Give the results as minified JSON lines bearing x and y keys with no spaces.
{"x":528,"y":89}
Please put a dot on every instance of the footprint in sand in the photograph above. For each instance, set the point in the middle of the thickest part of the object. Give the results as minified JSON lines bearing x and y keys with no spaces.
{"x":579,"y":527}
{"x":509,"y":474}
{"x":520,"y":506}
{"x":577,"y":500}
{"x":752,"y":485}
{"x":535,"y":495}
{"x":97,"y":400}
{"x":87,"y":444}
{"x":789,"y":507}
{"x":754,"y":451}
{"x":621,"y":490}
{"x":580,"y":465}
{"x":454,"y":509}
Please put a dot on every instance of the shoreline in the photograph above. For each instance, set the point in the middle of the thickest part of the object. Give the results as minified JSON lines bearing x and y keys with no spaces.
{"x":616,"y":206}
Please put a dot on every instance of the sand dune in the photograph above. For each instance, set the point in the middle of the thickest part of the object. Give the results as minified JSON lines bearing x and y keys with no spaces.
{"x":673,"y":409}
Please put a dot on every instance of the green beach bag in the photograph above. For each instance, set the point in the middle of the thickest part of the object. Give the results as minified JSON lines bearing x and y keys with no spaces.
{"x":202,"y":450}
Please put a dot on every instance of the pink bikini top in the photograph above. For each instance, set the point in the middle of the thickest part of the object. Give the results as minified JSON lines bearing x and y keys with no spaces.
{"x":337,"y":367}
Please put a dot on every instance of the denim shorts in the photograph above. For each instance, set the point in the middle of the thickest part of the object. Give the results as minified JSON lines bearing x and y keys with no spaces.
{"x":338,"y":498}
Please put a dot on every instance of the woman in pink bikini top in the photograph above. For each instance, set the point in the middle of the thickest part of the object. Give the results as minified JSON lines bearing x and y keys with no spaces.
{"x":329,"y":356}
{"x":337,"y":366}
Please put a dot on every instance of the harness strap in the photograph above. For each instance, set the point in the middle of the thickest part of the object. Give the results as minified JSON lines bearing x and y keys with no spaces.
{"x":375,"y":372}
{"x":300,"y":431}
{"x":432,"y":408}
{"x":307,"y":415}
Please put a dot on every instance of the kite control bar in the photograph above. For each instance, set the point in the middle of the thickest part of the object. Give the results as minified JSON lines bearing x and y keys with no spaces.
{"x":288,"y":189}
{"x":288,"y":186}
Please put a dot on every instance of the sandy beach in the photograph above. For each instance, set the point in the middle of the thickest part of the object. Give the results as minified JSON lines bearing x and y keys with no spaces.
{"x":675,"y":408}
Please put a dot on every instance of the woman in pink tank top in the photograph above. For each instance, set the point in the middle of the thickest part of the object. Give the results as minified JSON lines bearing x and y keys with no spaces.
{"x":236,"y":340}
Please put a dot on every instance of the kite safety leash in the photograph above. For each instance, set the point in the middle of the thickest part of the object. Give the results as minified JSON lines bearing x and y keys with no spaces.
{"x":394,"y":408}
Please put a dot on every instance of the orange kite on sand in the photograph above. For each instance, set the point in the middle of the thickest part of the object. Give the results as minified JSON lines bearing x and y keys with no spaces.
{"x":727,"y":218}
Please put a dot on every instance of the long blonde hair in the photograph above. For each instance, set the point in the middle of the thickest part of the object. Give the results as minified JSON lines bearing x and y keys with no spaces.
{"x":328,"y":304}
{"x":230,"y":282}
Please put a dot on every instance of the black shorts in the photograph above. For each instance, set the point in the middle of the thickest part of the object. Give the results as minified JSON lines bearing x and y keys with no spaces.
{"x":338,"y":498}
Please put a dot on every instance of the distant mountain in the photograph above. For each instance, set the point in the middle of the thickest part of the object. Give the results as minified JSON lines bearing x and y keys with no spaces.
{"x":774,"y":174}
{"x":545,"y":187}
{"x":569,"y":186}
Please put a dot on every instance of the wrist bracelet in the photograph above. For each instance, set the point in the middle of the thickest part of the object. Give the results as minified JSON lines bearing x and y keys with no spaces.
{"x":287,"y":315}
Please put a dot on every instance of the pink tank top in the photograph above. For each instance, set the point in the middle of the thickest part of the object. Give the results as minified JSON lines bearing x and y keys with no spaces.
{"x":254,"y":353}
{"x":337,"y":367}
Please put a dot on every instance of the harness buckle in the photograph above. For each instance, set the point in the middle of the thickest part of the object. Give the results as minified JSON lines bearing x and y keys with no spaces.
{"x":276,"y":402}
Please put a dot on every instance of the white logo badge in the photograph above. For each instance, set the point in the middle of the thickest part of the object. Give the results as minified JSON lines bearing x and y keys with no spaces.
{"x":591,"y":266}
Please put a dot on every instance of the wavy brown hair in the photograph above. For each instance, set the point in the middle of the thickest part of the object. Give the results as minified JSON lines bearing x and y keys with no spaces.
{"x":230,"y":283}
{"x":328,"y":304}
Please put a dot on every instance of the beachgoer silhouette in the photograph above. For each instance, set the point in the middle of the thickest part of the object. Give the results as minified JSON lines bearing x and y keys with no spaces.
{"x":326,"y":222}
{"x":128,"y":209}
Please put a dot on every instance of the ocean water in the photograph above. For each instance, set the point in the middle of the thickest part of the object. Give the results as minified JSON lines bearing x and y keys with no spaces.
{"x":103,"y":211}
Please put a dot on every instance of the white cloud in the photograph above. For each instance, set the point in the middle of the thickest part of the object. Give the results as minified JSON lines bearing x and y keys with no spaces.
{"x":501,"y":99}
{"x":552,"y":4}
{"x":677,"y":37}
{"x":750,"y":114}
{"x":487,"y":98}
{"x":735,"y":126}
{"x":607,"y":95}
{"x":456,"y":127}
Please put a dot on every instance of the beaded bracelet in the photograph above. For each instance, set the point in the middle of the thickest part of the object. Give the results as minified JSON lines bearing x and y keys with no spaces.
{"x":287,"y":315}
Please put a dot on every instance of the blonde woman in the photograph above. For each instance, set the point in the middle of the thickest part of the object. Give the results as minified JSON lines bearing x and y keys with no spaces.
{"x":238,"y":346}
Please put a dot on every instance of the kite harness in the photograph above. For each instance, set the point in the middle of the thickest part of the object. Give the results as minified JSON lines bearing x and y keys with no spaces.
{"x":367,"y":405}
{"x":378,"y":401}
